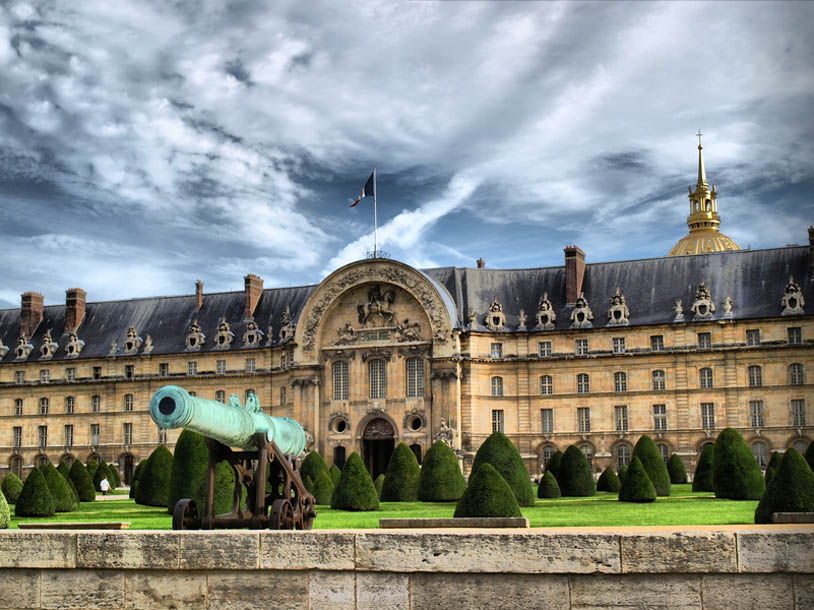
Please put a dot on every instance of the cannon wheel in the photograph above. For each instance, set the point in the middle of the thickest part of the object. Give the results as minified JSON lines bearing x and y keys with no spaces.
{"x":282,"y":515}
{"x":308,"y":512}
{"x":185,"y":515}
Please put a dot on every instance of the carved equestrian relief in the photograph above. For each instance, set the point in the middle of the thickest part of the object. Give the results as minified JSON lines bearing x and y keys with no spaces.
{"x":792,"y":301}
{"x":703,"y":307}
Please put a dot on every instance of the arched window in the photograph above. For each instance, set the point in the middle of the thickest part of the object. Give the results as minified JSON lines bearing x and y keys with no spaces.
{"x":44,"y":405}
{"x":801,"y":446}
{"x":70,"y":403}
{"x":341,"y":380}
{"x":588,"y":451}
{"x":16,"y":466}
{"x":128,"y":402}
{"x":755,"y":376}
{"x":415,"y":378}
{"x":659,"y":380}
{"x":664,"y":450}
{"x":583,"y":383}
{"x":796,"y":374}
{"x":620,"y":382}
{"x":377,"y":370}
{"x":548,"y":453}
{"x":497,"y":386}
{"x":546,"y":385}
{"x":761,"y":452}
{"x":622,"y":456}
{"x":705,"y":378}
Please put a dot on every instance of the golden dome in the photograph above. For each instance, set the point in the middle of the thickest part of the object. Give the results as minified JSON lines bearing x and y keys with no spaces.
{"x":699,"y":242}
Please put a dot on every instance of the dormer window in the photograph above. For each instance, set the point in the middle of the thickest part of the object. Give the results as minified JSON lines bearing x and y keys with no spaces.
{"x":133,"y":341}
{"x":48,"y":348}
{"x":195,"y":338}
{"x":253,"y":335}
{"x":225,"y":335}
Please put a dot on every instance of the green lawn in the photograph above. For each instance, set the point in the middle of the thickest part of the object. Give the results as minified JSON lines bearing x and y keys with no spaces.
{"x":683,"y":508}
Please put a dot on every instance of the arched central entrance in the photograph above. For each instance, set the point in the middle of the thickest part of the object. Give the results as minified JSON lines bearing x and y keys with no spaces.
{"x":377,"y":445}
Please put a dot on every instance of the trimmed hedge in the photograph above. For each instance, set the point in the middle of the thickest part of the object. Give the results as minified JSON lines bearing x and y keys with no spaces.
{"x":702,"y":479}
{"x":72,"y":487}
{"x":554,"y":462}
{"x":5,"y":515}
{"x":653,"y":464}
{"x":378,"y":483}
{"x":637,"y":486}
{"x":608,"y":481}
{"x":114,"y":472}
{"x":323,"y":488}
{"x":308,"y":482}
{"x":82,"y":482}
{"x":336,"y":474}
{"x":91,"y":467}
{"x":621,"y":473}
{"x":355,"y":490}
{"x":735,"y":472}
{"x":487,"y":495}
{"x":501,"y":453}
{"x":771,"y":467}
{"x":35,"y":499}
{"x":64,"y":469}
{"x":401,"y":477}
{"x":11,"y":487}
{"x":224,"y":490}
{"x":154,"y":486}
{"x":60,"y":492}
{"x":190,"y":464}
{"x":575,"y":476}
{"x":440,"y":479}
{"x":549,"y":488}
{"x":136,"y":477}
{"x":676,"y":470}
{"x":102,"y":472}
{"x":791,"y":489}
{"x":311,"y":465}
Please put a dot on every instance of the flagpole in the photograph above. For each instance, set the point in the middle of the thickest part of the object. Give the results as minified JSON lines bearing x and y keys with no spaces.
{"x":375,"y":219}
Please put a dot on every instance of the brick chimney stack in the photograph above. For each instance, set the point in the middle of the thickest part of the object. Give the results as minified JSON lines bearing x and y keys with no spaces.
{"x":481,"y":263}
{"x":30,"y":313}
{"x":74,"y":308}
{"x":811,"y":252}
{"x":254,"y":288}
{"x":198,"y":294}
{"x":574,"y":272}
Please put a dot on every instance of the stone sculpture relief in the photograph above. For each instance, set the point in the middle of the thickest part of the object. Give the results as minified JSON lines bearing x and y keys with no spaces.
{"x":472,"y":317}
{"x":545,"y":314}
{"x":24,"y":348}
{"x":224,"y":337}
{"x":792,"y":301}
{"x":728,"y":304}
{"x":407,"y":331}
{"x":195,"y":337}
{"x":444,"y":433}
{"x":49,"y":346}
{"x":132,"y":342}
{"x":347,"y":334}
{"x":148,"y":345}
{"x":679,"y":309}
{"x":521,"y":320}
{"x":495,"y":318}
{"x":582,"y":315}
{"x":378,"y":311}
{"x":618,"y":314}
{"x":703,"y":307}
{"x":270,"y":335}
{"x":114,"y":347}
{"x":253,"y":334}
{"x":74,"y":346}
{"x":3,"y":349}
{"x":288,"y":328}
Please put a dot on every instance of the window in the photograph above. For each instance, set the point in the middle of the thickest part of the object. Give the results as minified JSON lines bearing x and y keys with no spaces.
{"x":659,"y":417}
{"x":283,"y":360}
{"x":377,"y":373}
{"x":795,"y":335}
{"x":546,"y":385}
{"x":416,"y":449}
{"x":622,"y":456}
{"x":755,"y":376}
{"x":497,"y":386}
{"x":192,"y":393}
{"x":42,"y":434}
{"x":548,"y":453}
{"x":753,"y":337}
{"x":497,"y":420}
{"x":621,"y":418}
{"x":19,"y":376}
{"x":68,"y":436}
{"x":620,"y":382}
{"x":282,"y":396}
{"x":618,"y":345}
{"x":246,"y":394}
{"x":581,"y":347}
{"x":70,"y":403}
{"x":192,"y":368}
{"x":547,"y":420}
{"x":584,"y":419}
{"x":44,"y":405}
{"x":415,"y":377}
{"x":163,"y":369}
{"x":251,"y":365}
{"x":798,"y":412}
{"x":756,"y":413}
{"x":220,"y":367}
{"x":95,"y":403}
{"x":220,"y":396}
{"x":704,"y":340}
{"x":705,"y":378}
{"x":45,"y":376}
{"x":664,"y":450}
{"x":796,"y":374}
{"x":129,"y":371}
{"x":97,"y":372}
{"x":760,"y":452}
{"x":659,"y":378}
{"x":707,"y":415}
{"x":70,"y":374}
{"x":162,"y":436}
{"x":588,"y":451}
{"x":341,"y":379}
{"x":801,"y":446}
{"x":94,"y":435}
{"x":339,"y":457}
{"x":128,"y":433}
{"x":545,"y":349}
{"x":17,"y":436}
{"x":656,"y":344}
{"x":497,"y":350}
{"x":18,"y":406}
{"x":583,"y":383}
{"x":128,"y":402}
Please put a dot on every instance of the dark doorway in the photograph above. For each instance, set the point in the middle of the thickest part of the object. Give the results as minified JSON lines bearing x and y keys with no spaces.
{"x":416,"y":449}
{"x":377,"y":446}
{"x":339,"y":457}
{"x":126,"y":466}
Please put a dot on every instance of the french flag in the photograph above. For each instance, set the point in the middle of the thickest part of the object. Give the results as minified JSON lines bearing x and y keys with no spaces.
{"x":368,"y":191}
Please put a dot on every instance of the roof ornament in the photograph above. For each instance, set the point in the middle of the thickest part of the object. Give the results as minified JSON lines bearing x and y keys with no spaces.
{"x":618,"y":314}
{"x":253,"y":334}
{"x":225,"y":335}
{"x":49,"y":347}
{"x":495,"y":318}
{"x":148,"y":345}
{"x":132,"y":342}
{"x":195,"y":338}
{"x":582,"y":315}
{"x":24,"y":348}
{"x":792,"y":301}
{"x":472,"y":318}
{"x":114,"y":347}
{"x":728,"y":304}
{"x":3,"y":349}
{"x":521,"y":319}
{"x":74,"y":346}
{"x":545,"y":314}
{"x":679,"y":309}
{"x":288,"y":328}
{"x":703,"y":307}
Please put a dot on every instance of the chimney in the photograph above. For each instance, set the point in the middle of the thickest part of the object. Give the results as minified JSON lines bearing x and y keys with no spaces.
{"x":481,"y":263}
{"x":30,"y":313}
{"x":74,"y":308}
{"x":198,"y":294}
{"x":811,"y":252}
{"x":254,"y":288}
{"x":574,"y":272}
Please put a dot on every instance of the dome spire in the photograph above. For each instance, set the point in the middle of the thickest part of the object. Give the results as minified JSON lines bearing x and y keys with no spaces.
{"x":702,"y":174}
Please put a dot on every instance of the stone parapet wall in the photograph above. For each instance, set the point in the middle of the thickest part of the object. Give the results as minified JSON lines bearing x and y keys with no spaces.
{"x":704,"y":568}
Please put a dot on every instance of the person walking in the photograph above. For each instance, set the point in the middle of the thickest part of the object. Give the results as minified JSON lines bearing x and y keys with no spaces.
{"x":104,"y":485}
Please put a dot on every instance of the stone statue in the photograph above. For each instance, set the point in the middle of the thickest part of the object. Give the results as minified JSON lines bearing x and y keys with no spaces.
{"x":347,"y":334}
{"x":522,"y":320}
{"x":114,"y":347}
{"x":703,"y":307}
{"x":792,"y":301}
{"x":679,"y":309}
{"x":444,"y":433}
{"x":3,"y":349}
{"x":728,"y":304}
{"x":378,"y":307}
{"x":472,"y":317}
{"x":148,"y":344}
{"x":406,"y":331}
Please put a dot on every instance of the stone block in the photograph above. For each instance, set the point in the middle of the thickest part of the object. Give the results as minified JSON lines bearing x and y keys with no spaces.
{"x":218,"y":550}
{"x":519,"y":552}
{"x":19,"y":588}
{"x":793,"y":517}
{"x":476,"y":522}
{"x":267,"y":589}
{"x":651,"y":591}
{"x":286,"y":550}
{"x":158,"y":590}
{"x":134,"y":550}
{"x":332,"y":591}
{"x":803,"y":591}
{"x":37,"y":549}
{"x":377,"y":590}
{"x":704,"y":552}
{"x":781,"y":551}
{"x":82,"y":589}
{"x":477,"y":591}
{"x":748,"y":591}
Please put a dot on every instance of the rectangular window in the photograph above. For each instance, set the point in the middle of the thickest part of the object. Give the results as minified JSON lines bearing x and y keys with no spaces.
{"x":546,"y":385}
{"x":583,"y":383}
{"x":70,"y":403}
{"x":581,"y":347}
{"x":659,"y":417}
{"x":96,"y":404}
{"x":94,"y":435}
{"x":19,"y":376}
{"x":497,"y":350}
{"x":42,"y":434}
{"x":705,"y":378}
{"x":70,"y":374}
{"x":796,"y":374}
{"x":44,"y":406}
{"x":753,"y":336}
{"x":68,"y":436}
{"x":97,"y":372}
{"x":18,"y":436}
{"x":620,"y":382}
{"x":704,"y":340}
{"x":798,"y":412}
{"x":708,"y":415}
{"x":220,"y":396}
{"x":415,"y":377}
{"x":18,"y":406}
{"x":192,"y":368}
{"x":584,"y":419}
{"x":162,"y":436}
{"x":657,"y":343}
{"x":618,"y":345}
{"x":163,"y":369}
{"x":621,"y":418}
{"x":220,"y":367}
{"x":129,"y":371}
{"x":249,"y":392}
{"x":756,"y":413}
{"x":128,"y":402}
{"x":341,"y":379}
{"x":497,"y":420}
{"x":251,"y":365}
{"x":795,"y":335}
{"x":659,"y":380}
{"x":128,"y":434}
{"x":547,"y":416}
{"x":377,"y":372}
{"x":497,"y":386}
{"x":45,"y":376}
{"x":545,"y":349}
{"x":755,"y":376}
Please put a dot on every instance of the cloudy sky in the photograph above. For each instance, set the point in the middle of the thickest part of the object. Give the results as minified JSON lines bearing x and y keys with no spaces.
{"x":144,"y":145}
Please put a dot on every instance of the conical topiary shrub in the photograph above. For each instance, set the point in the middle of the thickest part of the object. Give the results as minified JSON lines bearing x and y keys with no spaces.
{"x":154,"y":485}
{"x":809,"y":455}
{"x":501,"y":453}
{"x":60,"y":492}
{"x":378,"y":483}
{"x":653,"y":464}
{"x":135,"y":478}
{"x":82,"y":482}
{"x":11,"y":486}
{"x":621,"y":473}
{"x":5,"y":514}
{"x":190,"y":464}
{"x":35,"y":499}
{"x":549,"y":488}
{"x":735,"y":472}
{"x":336,"y":474}
{"x":401,"y":477}
{"x":676,"y":470}
{"x":637,"y":486}
{"x":64,"y":468}
{"x":553,"y":465}
{"x":102,"y":472}
{"x":575,"y":477}
{"x":91,"y":467}
{"x":355,"y":490}
{"x":440,"y":479}
{"x":487,"y":495}
{"x":702,"y":479}
{"x":115,"y":478}
{"x":311,"y":465}
{"x":74,"y":495}
{"x":224,"y":490}
{"x":771,"y":467}
{"x":608,"y":481}
{"x":308,"y":483}
{"x":791,"y":489}
{"x":323,"y":488}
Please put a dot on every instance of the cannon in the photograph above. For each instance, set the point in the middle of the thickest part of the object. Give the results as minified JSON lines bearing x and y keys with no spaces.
{"x":266,"y":465}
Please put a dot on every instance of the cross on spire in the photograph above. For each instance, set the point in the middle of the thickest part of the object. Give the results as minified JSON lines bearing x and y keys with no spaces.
{"x":699,"y":134}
